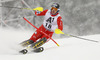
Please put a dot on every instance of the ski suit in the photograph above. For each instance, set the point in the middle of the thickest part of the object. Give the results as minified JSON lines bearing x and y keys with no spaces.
{"x":51,"y":22}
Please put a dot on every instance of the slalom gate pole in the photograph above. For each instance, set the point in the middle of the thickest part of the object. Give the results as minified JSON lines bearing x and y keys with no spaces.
{"x":41,"y":31}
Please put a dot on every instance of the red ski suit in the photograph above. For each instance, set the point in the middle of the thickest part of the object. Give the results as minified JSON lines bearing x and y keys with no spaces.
{"x":38,"y":35}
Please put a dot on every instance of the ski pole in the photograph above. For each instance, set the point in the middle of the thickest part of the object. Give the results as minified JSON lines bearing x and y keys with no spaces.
{"x":41,"y":31}
{"x":58,"y":31}
{"x":81,"y":38}
{"x":38,"y":8}
{"x":11,"y":7}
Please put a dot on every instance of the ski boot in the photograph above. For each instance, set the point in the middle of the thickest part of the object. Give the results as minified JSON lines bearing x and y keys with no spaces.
{"x":26,"y":43}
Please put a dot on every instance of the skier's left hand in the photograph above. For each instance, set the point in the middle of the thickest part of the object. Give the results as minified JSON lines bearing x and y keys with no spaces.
{"x":58,"y":31}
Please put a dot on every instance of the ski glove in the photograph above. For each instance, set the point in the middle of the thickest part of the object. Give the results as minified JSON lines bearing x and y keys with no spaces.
{"x":58,"y":31}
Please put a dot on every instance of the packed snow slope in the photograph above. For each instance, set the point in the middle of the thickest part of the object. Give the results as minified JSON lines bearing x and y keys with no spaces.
{"x":70,"y":48}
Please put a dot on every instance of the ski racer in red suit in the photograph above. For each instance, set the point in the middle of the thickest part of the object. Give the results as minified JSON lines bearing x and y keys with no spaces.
{"x":52,"y":21}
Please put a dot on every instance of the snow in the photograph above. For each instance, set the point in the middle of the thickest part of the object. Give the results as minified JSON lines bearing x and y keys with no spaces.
{"x":70,"y":48}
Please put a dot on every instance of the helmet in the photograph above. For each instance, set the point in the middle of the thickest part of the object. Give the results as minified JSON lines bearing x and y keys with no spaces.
{"x":56,"y":5}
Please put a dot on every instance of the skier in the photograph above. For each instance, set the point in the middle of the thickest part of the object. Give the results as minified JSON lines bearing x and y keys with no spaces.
{"x":52,"y":21}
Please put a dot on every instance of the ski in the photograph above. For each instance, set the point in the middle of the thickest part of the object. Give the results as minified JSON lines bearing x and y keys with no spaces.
{"x":35,"y":47}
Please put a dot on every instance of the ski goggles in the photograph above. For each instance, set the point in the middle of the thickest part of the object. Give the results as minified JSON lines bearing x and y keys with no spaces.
{"x":53,"y":8}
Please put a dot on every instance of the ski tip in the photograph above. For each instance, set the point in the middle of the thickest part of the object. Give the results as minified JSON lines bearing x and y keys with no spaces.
{"x":24,"y":51}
